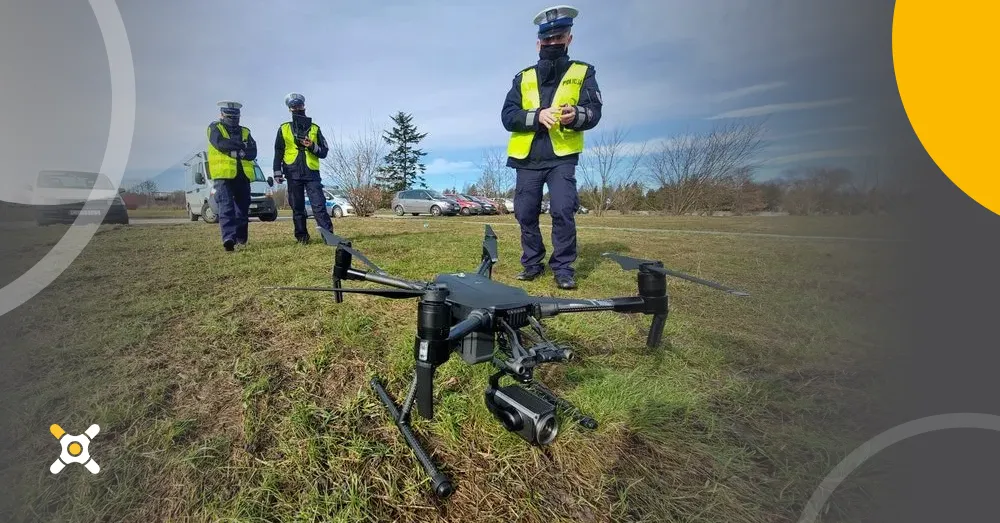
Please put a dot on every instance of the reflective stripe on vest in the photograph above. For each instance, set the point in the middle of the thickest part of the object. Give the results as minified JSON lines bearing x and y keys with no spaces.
{"x":221,"y":166}
{"x":292,"y":147}
{"x":564,"y":140}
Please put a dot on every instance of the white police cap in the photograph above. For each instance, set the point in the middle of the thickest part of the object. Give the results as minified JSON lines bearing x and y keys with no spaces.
{"x":232,"y":106}
{"x":555,"y":20}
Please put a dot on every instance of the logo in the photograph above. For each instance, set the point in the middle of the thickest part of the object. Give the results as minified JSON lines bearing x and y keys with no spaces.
{"x":75,"y":449}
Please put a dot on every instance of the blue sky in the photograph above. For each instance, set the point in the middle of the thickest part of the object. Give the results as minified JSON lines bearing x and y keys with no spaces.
{"x":665,"y":67}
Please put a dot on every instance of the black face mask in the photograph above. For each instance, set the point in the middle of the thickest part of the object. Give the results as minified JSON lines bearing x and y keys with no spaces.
{"x":231,"y":121}
{"x":552,"y":51}
{"x":300,"y":112}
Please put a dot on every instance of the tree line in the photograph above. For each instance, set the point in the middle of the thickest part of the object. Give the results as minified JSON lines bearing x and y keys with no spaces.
{"x":714,"y":171}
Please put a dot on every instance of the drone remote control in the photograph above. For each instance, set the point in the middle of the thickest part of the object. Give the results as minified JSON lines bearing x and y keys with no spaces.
{"x":487,"y":321}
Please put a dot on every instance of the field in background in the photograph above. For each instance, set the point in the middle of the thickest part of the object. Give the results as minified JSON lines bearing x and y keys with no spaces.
{"x":220,"y":400}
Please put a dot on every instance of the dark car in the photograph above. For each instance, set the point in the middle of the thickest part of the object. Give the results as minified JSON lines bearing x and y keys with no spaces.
{"x":68,"y":196}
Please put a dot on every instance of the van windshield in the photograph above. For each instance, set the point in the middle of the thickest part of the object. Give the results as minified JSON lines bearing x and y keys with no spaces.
{"x":73,"y":180}
{"x":258,"y":175}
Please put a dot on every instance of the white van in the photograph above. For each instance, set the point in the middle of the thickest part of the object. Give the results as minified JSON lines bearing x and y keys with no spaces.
{"x":59,"y":197}
{"x":199,"y":192}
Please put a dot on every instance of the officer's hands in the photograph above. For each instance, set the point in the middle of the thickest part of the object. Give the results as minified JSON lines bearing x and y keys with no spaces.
{"x":547,"y":117}
{"x":568,"y":114}
{"x":307,"y":142}
{"x":278,"y":177}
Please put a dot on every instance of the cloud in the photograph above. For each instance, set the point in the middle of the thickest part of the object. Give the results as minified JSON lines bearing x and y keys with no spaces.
{"x":763,"y":110}
{"x":819,"y":131}
{"x":748,"y":91}
{"x":849,"y":152}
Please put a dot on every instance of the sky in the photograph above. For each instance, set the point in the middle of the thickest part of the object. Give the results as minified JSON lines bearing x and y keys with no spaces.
{"x":665,"y":68}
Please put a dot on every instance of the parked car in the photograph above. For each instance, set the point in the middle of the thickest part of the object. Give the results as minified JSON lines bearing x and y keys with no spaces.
{"x":488,"y":206}
{"x":60,"y":197}
{"x":424,"y":201}
{"x":468,"y":206}
{"x":337,"y":205}
{"x":508,"y":204}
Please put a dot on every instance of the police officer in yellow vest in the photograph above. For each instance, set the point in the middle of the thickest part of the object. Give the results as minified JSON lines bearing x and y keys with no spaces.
{"x":298,"y":148}
{"x":547,"y":109}
{"x":231,"y":152}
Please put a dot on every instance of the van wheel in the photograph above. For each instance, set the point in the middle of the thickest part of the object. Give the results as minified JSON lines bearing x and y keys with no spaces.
{"x":399,"y":210}
{"x":268,"y":217}
{"x":192,"y":216}
{"x":338,"y":212}
{"x":208,"y":214}
{"x":435,"y":211}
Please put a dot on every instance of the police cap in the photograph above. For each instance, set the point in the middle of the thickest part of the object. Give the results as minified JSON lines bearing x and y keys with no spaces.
{"x":556,"y":20}
{"x":230,"y":108}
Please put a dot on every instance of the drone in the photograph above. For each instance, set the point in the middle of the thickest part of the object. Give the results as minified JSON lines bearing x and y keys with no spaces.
{"x":486,"y":321}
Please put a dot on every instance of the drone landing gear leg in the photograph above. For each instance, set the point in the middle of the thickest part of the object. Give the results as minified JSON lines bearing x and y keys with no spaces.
{"x":401,"y":417}
{"x":569,"y":408}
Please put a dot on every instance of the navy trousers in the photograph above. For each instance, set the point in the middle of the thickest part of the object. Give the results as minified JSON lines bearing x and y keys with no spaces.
{"x":564,"y":201}
{"x":233,"y":197}
{"x":297,"y":189}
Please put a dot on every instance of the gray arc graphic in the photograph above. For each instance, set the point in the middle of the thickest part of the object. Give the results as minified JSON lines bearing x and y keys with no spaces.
{"x":116,"y":155}
{"x":957,"y":420}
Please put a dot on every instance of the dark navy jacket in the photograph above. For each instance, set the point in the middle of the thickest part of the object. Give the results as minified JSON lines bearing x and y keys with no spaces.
{"x":299,"y":170}
{"x":233,"y":143}
{"x":516,"y":119}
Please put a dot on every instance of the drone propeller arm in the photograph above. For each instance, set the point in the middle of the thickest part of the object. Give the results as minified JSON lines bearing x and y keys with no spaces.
{"x":384,"y":279}
{"x":630,"y":304}
{"x":477,"y":319}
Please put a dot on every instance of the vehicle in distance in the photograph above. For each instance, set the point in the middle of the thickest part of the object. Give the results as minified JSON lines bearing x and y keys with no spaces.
{"x":488,"y":206}
{"x":337,"y":205}
{"x":468,"y":206}
{"x":424,"y":201}
{"x":199,"y":192}
{"x":60,"y":197}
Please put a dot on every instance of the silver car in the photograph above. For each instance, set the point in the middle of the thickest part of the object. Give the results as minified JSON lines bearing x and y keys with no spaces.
{"x":424,"y":201}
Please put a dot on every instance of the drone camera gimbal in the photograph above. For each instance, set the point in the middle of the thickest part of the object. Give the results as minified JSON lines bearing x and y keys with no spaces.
{"x":487,"y":321}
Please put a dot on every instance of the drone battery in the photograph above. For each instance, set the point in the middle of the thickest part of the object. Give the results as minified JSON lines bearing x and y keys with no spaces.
{"x":477,"y":347}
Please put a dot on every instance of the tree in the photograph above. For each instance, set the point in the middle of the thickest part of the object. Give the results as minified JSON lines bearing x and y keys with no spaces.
{"x":354,"y":167}
{"x":496,"y":178}
{"x":401,"y":168}
{"x":146,"y":188}
{"x":690,"y":169}
{"x":609,"y":169}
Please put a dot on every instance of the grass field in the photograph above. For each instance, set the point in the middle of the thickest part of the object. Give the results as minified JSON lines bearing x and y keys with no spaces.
{"x":221,"y":401}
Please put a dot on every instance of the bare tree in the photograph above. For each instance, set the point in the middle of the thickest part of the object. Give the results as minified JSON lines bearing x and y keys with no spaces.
{"x":353,"y":167}
{"x":691,"y":167}
{"x":609,"y":169}
{"x":147,"y":189}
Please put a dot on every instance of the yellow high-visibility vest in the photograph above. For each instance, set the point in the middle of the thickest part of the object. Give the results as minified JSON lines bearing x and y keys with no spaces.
{"x":222,"y":166}
{"x":292,"y":147}
{"x":565,"y":141}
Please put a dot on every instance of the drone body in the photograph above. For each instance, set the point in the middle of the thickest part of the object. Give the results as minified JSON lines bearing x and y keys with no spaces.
{"x":488,"y":321}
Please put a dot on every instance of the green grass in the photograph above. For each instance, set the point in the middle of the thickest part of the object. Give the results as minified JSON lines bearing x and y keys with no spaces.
{"x":221,"y":401}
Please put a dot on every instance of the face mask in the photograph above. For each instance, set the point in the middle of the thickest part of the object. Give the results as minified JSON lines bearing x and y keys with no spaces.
{"x":299,"y":111}
{"x":231,"y":121}
{"x":552,"y":52}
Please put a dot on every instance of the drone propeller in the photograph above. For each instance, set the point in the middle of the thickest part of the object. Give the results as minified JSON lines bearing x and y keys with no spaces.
{"x":336,"y":241}
{"x":629,"y":263}
{"x":398,"y":294}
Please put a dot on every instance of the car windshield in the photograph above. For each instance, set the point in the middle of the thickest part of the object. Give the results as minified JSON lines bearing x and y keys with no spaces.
{"x":436,"y":195}
{"x":73,"y":180}
{"x":258,"y":175}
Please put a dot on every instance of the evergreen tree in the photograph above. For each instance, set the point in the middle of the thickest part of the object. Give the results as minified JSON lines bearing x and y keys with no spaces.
{"x":401,"y":168}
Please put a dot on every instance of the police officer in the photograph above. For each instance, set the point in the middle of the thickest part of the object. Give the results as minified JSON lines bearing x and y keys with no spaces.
{"x":231,"y":152}
{"x":297,"y":152}
{"x":547,"y":109}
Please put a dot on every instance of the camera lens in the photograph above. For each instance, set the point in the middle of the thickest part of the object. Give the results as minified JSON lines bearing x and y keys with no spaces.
{"x":547,"y":429}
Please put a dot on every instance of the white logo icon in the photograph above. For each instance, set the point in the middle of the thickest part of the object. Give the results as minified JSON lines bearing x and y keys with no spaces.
{"x":74,"y":449}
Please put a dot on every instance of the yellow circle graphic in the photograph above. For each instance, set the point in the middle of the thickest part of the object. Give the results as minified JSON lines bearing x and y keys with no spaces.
{"x":944,"y":61}
{"x":74,"y":449}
